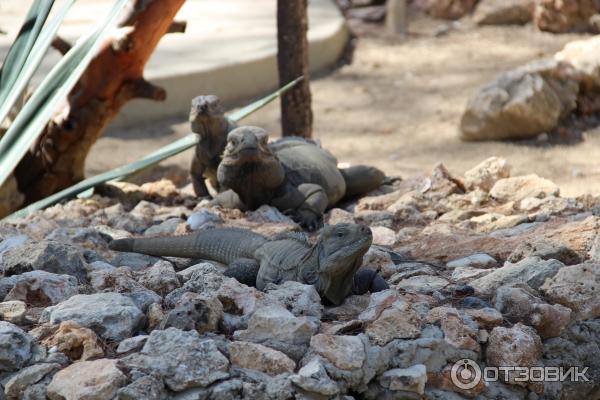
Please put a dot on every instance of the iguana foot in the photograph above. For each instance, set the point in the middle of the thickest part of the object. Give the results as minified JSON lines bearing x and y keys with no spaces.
{"x":368,"y":280}
{"x":244,"y":270}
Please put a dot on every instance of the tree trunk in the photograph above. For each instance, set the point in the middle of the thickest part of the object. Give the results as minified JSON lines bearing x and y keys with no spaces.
{"x":292,"y":60}
{"x":114,"y":76}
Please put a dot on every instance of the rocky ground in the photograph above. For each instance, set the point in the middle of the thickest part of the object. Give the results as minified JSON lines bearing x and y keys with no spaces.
{"x":498,"y":269}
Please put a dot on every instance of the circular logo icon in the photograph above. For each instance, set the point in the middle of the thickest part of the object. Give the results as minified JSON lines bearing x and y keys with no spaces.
{"x":465,"y":374}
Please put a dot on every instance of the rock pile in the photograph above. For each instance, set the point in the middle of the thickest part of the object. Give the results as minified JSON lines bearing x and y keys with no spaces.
{"x":493,"y":268}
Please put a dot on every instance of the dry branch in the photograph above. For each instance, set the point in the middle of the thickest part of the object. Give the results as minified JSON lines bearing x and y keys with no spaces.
{"x":115,"y":76}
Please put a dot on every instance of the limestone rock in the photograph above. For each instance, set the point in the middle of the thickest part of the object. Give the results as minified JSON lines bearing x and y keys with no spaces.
{"x":512,"y":347}
{"x":202,"y":217}
{"x":482,"y":261}
{"x":76,"y":342}
{"x":532,"y":270}
{"x":313,"y":378}
{"x":120,"y":280}
{"x":132,"y":344}
{"x":46,"y":255}
{"x":519,"y":305}
{"x":411,"y":379}
{"x":504,"y":12}
{"x":93,"y":380}
{"x":256,"y":356}
{"x":300,"y":299}
{"x":345,"y":352}
{"x":383,"y":236}
{"x":201,"y":312}
{"x":399,"y":321}
{"x":16,"y":347}
{"x":181,"y":358}
{"x":576,"y":287}
{"x":146,"y":387}
{"x":160,"y":278}
{"x":112,"y":316}
{"x":39,"y":288}
{"x":581,"y":54}
{"x":13,"y":311}
{"x":456,"y":331}
{"x":517,"y":104}
{"x":17,"y":386}
{"x":545,"y":249}
{"x":520,"y":187}
{"x":276,"y":327}
{"x":425,"y":284}
{"x":560,"y":16}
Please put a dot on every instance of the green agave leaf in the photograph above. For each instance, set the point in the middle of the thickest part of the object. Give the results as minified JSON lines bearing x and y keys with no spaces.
{"x":34,"y":116}
{"x":19,"y":50}
{"x":36,"y":54}
{"x":163,"y":153}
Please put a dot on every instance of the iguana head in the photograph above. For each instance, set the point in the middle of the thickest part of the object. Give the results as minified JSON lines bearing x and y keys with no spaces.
{"x":247,"y":144}
{"x":249,"y":167}
{"x":340,"y":252}
{"x":205,"y":111}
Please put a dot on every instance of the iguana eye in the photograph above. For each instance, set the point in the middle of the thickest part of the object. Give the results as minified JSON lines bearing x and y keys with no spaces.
{"x":340,"y":234}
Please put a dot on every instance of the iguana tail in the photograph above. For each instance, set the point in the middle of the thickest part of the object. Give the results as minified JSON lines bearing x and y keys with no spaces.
{"x":223,"y":245}
{"x":361,"y":179}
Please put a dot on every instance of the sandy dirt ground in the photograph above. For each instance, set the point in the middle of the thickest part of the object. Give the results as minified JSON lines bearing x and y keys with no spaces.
{"x":398,"y":106}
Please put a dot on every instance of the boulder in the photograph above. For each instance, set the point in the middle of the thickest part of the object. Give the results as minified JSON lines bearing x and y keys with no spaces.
{"x":112,"y":316}
{"x":485,"y":174}
{"x":345,"y":352}
{"x":561,"y":16}
{"x":120,"y":280}
{"x":313,"y":378}
{"x":300,"y":299}
{"x":546,"y":250}
{"x":92,"y":380}
{"x":276,"y":327}
{"x":503,"y":12}
{"x":411,"y":379}
{"x":16,"y":347}
{"x":181,"y":358}
{"x":521,"y":187}
{"x":13,"y":311}
{"x":39,"y":288}
{"x":532,"y":270}
{"x":256,"y":356}
{"x":75,"y":342}
{"x":47,"y":255}
{"x":519,"y":305}
{"x":513,"y":347}
{"x":160,"y":278}
{"x":19,"y":385}
{"x":576,"y":287}
{"x":201,"y":312}
{"x":132,"y":344}
{"x":518,"y":104}
{"x":480,"y":261}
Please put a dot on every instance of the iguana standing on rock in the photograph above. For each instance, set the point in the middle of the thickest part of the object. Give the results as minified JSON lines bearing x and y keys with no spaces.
{"x":331,"y":265}
{"x":208,"y":120}
{"x":293,"y":174}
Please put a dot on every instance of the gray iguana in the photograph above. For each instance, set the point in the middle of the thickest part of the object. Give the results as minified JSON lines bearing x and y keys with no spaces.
{"x":331,"y":264}
{"x":293,"y":174}
{"x":208,"y":120}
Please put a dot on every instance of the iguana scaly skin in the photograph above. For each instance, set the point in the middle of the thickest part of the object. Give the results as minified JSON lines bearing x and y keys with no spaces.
{"x":331,"y":264}
{"x":293,"y":174}
{"x":208,"y":120}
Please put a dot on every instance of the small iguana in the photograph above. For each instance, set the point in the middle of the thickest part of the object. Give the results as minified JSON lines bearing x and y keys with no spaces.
{"x":331,"y":264}
{"x":208,"y":120}
{"x":293,"y":174}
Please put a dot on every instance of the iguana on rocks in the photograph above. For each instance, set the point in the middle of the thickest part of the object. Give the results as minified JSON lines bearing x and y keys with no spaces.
{"x":208,"y":120}
{"x":330,"y":265}
{"x":293,"y":174}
